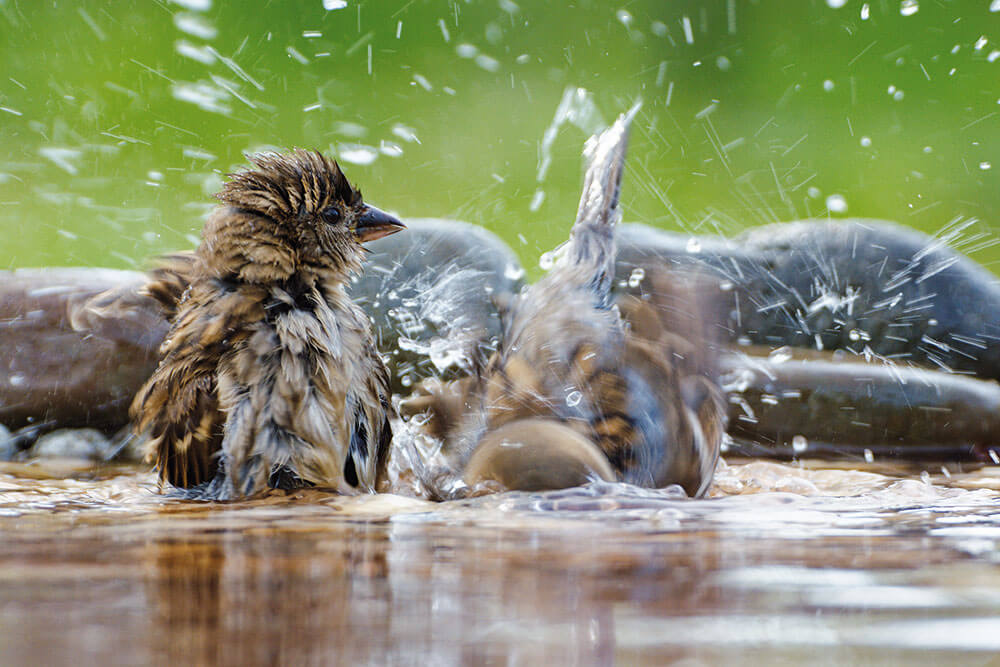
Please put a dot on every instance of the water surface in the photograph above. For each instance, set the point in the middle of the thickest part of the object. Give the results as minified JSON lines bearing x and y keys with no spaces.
{"x":783,"y":563}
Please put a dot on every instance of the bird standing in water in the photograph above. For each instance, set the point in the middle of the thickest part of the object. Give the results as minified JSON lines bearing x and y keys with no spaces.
{"x":573,"y":386}
{"x":269,"y":376}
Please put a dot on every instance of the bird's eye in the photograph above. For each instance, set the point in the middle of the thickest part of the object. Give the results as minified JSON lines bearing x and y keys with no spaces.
{"x":331,"y":215}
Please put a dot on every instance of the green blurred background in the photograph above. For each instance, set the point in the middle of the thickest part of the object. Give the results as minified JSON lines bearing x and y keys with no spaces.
{"x":118,"y":120}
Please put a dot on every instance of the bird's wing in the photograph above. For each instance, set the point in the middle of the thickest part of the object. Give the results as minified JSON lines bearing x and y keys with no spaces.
{"x":178,"y":407}
{"x":676,"y":404}
{"x":371,"y":434}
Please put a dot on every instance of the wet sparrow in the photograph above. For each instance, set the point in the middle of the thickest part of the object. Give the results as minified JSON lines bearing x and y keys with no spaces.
{"x":269,"y":376}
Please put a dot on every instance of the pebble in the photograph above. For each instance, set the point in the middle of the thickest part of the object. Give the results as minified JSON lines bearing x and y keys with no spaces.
{"x":82,"y":443}
{"x":7,"y":446}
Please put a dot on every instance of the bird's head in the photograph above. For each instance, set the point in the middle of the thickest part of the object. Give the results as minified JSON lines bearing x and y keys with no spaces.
{"x":295,"y":211}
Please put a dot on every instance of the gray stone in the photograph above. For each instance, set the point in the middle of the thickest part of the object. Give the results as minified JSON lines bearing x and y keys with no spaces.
{"x":8,"y":447}
{"x":864,"y":286}
{"x":433,"y":292}
{"x":67,"y":443}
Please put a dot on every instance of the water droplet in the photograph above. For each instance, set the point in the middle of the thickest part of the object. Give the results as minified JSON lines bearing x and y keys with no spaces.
{"x":536,"y":200}
{"x":422,"y":81}
{"x":925,"y":477}
{"x":909,"y":7}
{"x":390,"y":148}
{"x":635,"y":278}
{"x":547,"y":260}
{"x":197,"y":5}
{"x":624,"y":18}
{"x":898,"y":95}
{"x":799,"y":444}
{"x":780,"y":355}
{"x":573,"y":398}
{"x":513,"y":272}
{"x":494,"y":33}
{"x":488,"y":63}
{"x":985,"y":165}
{"x":330,"y":5}
{"x":688,"y":32}
{"x":980,"y":43}
{"x":865,"y":12}
{"x":357,"y":153}
{"x":195,"y":25}
{"x":866,"y":141}
{"x":405,"y":133}
{"x":995,"y":6}
{"x":693,"y":245}
{"x":813,"y":192}
{"x":835,"y":4}
{"x":466,"y":51}
{"x":836,"y":204}
{"x":828,"y":85}
{"x":869,"y":456}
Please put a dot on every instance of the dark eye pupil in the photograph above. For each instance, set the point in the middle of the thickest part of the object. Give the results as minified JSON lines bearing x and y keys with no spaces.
{"x":331,"y":215}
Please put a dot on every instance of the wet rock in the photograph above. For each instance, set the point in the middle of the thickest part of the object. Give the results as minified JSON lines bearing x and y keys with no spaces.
{"x":7,"y":447}
{"x":868,"y":287}
{"x":80,"y":443}
{"x":432,"y":292}
{"x":817,"y":406}
{"x":54,"y":373}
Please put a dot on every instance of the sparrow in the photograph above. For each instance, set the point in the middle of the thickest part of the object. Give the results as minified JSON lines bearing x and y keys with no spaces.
{"x":269,"y":376}
{"x":571,"y":376}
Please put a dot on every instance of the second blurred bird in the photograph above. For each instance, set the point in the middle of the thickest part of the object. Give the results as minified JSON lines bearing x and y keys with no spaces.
{"x":582,"y":388}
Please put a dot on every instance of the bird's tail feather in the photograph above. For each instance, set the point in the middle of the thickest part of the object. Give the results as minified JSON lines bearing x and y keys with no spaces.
{"x":592,"y":240}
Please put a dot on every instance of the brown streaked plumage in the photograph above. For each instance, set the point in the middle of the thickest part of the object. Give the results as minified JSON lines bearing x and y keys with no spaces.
{"x":269,"y":376}
{"x":641,"y":389}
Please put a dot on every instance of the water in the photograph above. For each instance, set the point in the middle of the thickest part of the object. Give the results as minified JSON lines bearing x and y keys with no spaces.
{"x":782,"y":563}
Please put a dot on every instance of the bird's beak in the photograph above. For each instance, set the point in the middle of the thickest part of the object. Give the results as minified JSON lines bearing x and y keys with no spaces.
{"x":374,"y":224}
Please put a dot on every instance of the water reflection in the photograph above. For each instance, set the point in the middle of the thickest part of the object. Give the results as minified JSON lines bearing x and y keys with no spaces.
{"x":781,"y":562}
